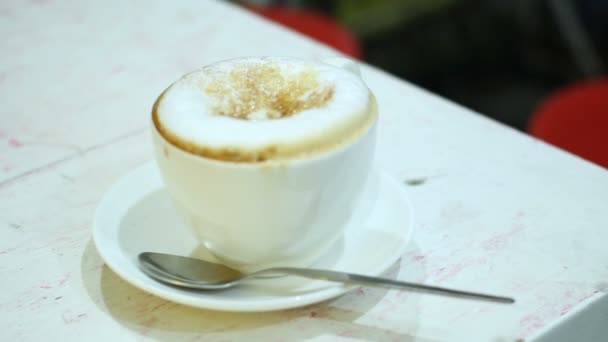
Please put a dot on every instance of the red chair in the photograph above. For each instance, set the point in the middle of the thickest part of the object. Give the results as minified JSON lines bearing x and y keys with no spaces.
{"x":315,"y":25}
{"x":576,"y":119}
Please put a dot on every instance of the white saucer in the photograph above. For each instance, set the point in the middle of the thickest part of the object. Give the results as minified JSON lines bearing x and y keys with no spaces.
{"x":136,"y":215}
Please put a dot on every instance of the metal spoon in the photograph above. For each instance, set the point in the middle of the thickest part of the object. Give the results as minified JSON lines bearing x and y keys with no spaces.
{"x":203,"y":275}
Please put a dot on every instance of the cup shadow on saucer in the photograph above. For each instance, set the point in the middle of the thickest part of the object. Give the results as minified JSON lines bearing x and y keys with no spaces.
{"x":152,"y":224}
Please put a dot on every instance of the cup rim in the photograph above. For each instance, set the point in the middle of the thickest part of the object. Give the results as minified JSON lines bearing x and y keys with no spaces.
{"x":295,"y":161}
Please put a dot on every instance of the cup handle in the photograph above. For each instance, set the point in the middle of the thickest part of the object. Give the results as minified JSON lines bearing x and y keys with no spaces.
{"x":343,"y":63}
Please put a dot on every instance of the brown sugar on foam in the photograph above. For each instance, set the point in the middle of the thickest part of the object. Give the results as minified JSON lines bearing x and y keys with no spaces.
{"x":264,"y":91}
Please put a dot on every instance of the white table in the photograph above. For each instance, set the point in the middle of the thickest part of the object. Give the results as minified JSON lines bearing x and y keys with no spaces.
{"x":499,"y":211}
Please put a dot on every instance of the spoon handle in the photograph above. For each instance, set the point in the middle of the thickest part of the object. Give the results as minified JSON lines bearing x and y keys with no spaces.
{"x":357,"y":279}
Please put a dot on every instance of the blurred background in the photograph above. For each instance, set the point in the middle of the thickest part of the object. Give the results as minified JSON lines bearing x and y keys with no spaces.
{"x":535,"y":65}
{"x":504,"y":59}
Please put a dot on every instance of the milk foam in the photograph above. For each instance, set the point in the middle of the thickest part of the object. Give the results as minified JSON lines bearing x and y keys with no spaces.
{"x":225,"y":110}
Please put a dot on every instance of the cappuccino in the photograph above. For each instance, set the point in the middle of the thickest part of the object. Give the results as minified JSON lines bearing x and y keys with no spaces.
{"x":265,"y":158}
{"x":264,"y":108}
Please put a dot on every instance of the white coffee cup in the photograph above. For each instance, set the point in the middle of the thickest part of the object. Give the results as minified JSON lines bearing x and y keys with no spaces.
{"x":284,"y":212}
